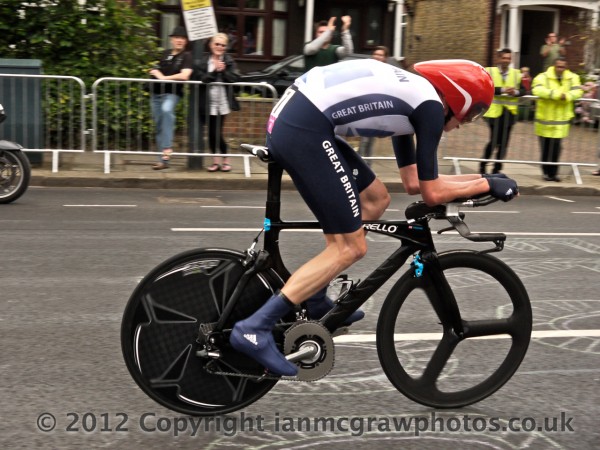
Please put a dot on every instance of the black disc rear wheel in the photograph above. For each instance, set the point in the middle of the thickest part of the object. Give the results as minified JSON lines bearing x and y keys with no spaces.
{"x":160,"y":327}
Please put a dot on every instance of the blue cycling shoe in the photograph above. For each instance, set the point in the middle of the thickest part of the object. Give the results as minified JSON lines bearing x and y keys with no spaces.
{"x":254,"y":338}
{"x":319,"y":304}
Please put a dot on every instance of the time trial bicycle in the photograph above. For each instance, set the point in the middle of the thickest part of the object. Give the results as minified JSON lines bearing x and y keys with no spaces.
{"x":453,"y":329}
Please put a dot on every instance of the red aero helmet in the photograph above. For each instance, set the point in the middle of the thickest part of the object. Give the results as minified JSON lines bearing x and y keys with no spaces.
{"x":466,"y":86}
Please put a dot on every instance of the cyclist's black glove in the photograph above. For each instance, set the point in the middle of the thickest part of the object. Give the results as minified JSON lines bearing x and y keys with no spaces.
{"x":503,"y":188}
{"x":487,"y":176}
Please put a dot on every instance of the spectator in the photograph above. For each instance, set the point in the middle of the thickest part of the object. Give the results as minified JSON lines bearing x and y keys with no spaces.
{"x":217,"y":101}
{"x":381,"y":53}
{"x":365,"y":148}
{"x":503,"y":113}
{"x":175,"y":64}
{"x":320,"y":51}
{"x":552,"y":50}
{"x":526,"y":80}
{"x":526,"y":105}
{"x":557,"y":89}
{"x":584,"y":109}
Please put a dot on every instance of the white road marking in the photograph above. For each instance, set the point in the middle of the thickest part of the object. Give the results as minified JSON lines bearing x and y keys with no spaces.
{"x":100,"y":206}
{"x":494,"y":212}
{"x":560,"y":199}
{"x":540,"y":334}
{"x":232,"y":207}
{"x":585,"y":212}
{"x":235,"y":229}
{"x":524,"y":233}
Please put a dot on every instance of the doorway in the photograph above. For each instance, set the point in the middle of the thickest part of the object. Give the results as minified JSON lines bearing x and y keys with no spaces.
{"x":536,"y":26}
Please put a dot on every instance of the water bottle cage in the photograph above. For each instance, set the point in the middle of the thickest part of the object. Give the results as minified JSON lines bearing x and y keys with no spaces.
{"x":345,"y":285}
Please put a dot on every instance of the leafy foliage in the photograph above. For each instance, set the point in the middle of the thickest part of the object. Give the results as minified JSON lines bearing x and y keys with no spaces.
{"x":87,"y":39}
{"x":101,"y":38}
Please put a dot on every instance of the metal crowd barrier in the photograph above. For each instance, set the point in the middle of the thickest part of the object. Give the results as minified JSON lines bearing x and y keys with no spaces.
{"x":121,"y":123}
{"x":122,"y":119}
{"x":46,"y":113}
{"x":579,"y":148}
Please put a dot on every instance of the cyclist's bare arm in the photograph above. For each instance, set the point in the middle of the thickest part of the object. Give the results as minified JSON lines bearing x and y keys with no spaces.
{"x":443,"y":189}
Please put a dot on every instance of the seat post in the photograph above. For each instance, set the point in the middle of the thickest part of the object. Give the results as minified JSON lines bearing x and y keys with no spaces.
{"x":273,"y":208}
{"x":273,"y":213}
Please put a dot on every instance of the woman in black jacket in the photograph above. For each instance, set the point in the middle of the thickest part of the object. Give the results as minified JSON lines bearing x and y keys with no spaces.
{"x":216,"y":101}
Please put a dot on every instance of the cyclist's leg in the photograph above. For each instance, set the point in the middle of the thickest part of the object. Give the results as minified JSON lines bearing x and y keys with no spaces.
{"x":374,"y":200}
{"x":329,"y":176}
{"x":253,"y":336}
{"x":374,"y":197}
{"x":341,"y":251}
{"x":302,"y":141}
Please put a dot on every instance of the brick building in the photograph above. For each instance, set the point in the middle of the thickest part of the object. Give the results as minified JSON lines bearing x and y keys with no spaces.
{"x":264,"y":31}
{"x":475,"y":29}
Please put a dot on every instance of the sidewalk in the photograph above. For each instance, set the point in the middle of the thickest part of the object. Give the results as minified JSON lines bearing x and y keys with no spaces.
{"x":133,"y":171}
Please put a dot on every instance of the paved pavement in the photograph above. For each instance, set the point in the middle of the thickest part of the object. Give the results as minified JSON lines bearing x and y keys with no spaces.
{"x":134,"y":171}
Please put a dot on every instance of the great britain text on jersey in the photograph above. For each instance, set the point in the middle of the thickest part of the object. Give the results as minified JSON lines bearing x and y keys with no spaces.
{"x":371,"y":106}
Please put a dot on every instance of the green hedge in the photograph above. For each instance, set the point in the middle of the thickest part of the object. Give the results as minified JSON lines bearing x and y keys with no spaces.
{"x":103,"y":38}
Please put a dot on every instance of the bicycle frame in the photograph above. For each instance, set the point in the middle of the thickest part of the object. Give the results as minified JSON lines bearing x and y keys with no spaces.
{"x":171,"y":316}
{"x":415,"y":237}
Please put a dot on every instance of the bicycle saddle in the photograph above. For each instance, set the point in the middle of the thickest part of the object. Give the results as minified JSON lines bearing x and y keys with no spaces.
{"x":420,"y":210}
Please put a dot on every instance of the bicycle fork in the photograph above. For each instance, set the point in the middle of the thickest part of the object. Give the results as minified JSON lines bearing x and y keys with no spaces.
{"x":427,"y":266}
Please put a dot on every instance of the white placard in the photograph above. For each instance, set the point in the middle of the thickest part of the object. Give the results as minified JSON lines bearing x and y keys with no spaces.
{"x":199,"y":17}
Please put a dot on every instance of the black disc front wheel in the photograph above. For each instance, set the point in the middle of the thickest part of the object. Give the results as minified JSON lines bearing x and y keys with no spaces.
{"x":160,"y":328}
{"x":15,"y":172}
{"x":425,"y":357}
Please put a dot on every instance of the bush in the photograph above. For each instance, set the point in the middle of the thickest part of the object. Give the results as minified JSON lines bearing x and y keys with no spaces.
{"x":102,"y":38}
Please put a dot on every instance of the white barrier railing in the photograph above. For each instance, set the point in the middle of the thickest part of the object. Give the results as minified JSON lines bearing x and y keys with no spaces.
{"x":189,"y":116}
{"x":574,"y":165}
{"x":109,"y":153}
{"x":69,"y":132}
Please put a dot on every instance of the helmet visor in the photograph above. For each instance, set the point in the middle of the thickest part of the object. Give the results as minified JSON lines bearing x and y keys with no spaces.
{"x":475,"y":112}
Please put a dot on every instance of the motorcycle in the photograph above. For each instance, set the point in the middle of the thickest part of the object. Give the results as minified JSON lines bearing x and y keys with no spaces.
{"x":15,"y":170}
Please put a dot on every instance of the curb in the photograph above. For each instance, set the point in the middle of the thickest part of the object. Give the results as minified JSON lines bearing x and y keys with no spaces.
{"x":259,"y":182}
{"x":148,"y":183}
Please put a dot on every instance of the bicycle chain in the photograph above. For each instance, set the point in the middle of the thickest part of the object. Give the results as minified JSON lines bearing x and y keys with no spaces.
{"x":256,"y":378}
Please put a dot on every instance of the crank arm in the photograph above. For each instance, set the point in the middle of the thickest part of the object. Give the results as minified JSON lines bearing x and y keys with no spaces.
{"x":307,"y":352}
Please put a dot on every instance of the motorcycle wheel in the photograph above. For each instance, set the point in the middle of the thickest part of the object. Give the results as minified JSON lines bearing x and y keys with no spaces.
{"x":15,"y":173}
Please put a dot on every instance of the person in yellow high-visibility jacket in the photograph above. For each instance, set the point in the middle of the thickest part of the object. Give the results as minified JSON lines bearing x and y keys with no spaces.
{"x":557,"y":89}
{"x":503,"y":112}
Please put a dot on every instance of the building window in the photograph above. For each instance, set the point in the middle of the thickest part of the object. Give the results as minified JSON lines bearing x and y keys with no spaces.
{"x":278,"y":40}
{"x":257,"y":29}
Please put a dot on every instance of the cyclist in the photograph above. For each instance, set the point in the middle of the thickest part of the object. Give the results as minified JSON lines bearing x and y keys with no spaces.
{"x":362,"y":98}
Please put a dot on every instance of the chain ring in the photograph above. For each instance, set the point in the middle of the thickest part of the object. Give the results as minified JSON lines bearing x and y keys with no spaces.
{"x":311,"y":333}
